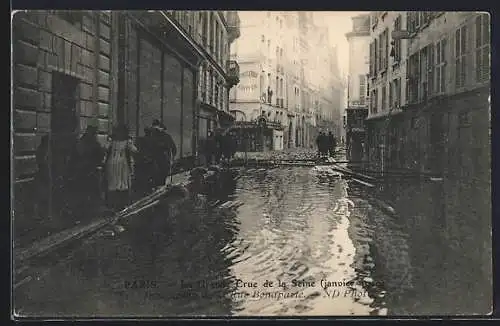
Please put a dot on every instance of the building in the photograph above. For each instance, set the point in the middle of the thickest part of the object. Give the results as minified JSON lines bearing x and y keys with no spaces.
{"x":430,"y":113}
{"x":62,"y":82}
{"x":286,"y":80}
{"x":357,"y":86}
{"x":75,"y":69}
{"x":177,"y":71}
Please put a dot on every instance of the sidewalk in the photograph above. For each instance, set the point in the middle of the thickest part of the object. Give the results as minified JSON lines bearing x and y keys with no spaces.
{"x":24,"y":249}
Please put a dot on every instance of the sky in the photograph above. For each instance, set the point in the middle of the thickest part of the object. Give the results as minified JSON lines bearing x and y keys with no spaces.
{"x":339,"y":23}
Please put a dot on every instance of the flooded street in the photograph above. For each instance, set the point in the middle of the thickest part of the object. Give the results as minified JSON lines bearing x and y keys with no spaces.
{"x":304,"y":242}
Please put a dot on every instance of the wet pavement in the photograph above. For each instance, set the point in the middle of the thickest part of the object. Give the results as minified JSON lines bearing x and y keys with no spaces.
{"x":304,"y":242}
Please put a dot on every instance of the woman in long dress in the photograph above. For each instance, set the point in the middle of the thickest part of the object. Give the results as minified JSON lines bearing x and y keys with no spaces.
{"x":119,"y":167}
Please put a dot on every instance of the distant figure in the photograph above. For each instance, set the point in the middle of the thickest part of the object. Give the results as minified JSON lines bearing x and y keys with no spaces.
{"x":210,"y":148}
{"x":332,"y":144}
{"x":318,"y":143}
{"x":322,"y":142}
{"x":119,"y":167}
{"x":228,"y":146}
{"x":219,"y":141}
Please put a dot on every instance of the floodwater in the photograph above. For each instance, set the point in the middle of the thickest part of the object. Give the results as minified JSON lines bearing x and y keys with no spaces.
{"x":304,"y":242}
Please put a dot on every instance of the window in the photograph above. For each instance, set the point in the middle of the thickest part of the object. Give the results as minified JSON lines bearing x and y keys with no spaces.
{"x":482,"y":53}
{"x":263,"y":38}
{"x":464,"y":119}
{"x":397,"y":92}
{"x":417,"y":19}
{"x":385,"y":59}
{"x":460,"y":52}
{"x":372,"y":59}
{"x":375,"y":57}
{"x":384,"y":98}
{"x":362,"y":89}
{"x":440,"y":71}
{"x":374,"y":99}
{"x":397,"y":43}
{"x":424,"y":73}
{"x":426,"y":17}
{"x":430,"y":69}
{"x":412,"y":86}
{"x":380,"y":52}
{"x":72,"y":17}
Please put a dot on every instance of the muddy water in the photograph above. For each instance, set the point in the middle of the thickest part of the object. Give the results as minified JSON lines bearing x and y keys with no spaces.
{"x":295,"y":230}
{"x":304,"y":242}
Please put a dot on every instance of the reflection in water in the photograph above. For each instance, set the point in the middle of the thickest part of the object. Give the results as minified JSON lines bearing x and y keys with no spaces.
{"x":320,"y":240}
{"x":297,"y":232}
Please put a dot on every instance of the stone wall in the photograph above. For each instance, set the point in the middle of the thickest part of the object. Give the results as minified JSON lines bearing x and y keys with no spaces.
{"x":45,"y":43}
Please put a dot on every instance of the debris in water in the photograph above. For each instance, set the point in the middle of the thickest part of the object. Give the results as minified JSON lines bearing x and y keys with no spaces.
{"x":118,"y":229}
{"x":109,"y":233}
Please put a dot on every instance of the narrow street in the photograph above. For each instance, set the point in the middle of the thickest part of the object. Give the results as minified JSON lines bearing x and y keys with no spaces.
{"x":317,"y":237}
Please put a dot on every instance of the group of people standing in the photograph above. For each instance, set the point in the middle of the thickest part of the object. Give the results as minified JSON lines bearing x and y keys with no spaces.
{"x":219,"y":146}
{"x":93,"y":170}
{"x":326,"y":144}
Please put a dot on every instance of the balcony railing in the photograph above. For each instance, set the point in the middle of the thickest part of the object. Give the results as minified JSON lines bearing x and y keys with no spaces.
{"x":233,"y":23}
{"x":233,"y":73}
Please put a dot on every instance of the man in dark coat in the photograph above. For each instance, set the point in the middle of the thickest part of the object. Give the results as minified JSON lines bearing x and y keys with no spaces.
{"x":209,"y":148}
{"x":85,"y":177}
{"x":219,"y":141}
{"x":165,"y":151}
{"x":146,"y":170}
{"x":332,"y":144}
{"x":318,"y":143}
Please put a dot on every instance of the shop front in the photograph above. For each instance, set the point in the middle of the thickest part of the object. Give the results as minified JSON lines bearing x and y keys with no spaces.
{"x":158,"y":80}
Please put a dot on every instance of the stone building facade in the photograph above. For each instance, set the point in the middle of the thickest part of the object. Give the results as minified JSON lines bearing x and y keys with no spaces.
{"x":75,"y":69}
{"x":357,"y":86}
{"x":430,"y":114}
{"x":286,"y":72}
{"x":62,"y":77}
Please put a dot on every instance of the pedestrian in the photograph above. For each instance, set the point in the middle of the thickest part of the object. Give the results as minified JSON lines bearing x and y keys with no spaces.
{"x":227,"y":146}
{"x":145,"y":165}
{"x":85,"y":174}
{"x":119,"y":167}
{"x":210,"y":148}
{"x":318,"y":143}
{"x":332,"y":144}
{"x":42,"y":179}
{"x":165,"y":152}
{"x":219,"y":143}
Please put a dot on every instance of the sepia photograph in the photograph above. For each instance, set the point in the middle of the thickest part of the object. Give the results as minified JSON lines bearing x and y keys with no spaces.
{"x":217,"y":163}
